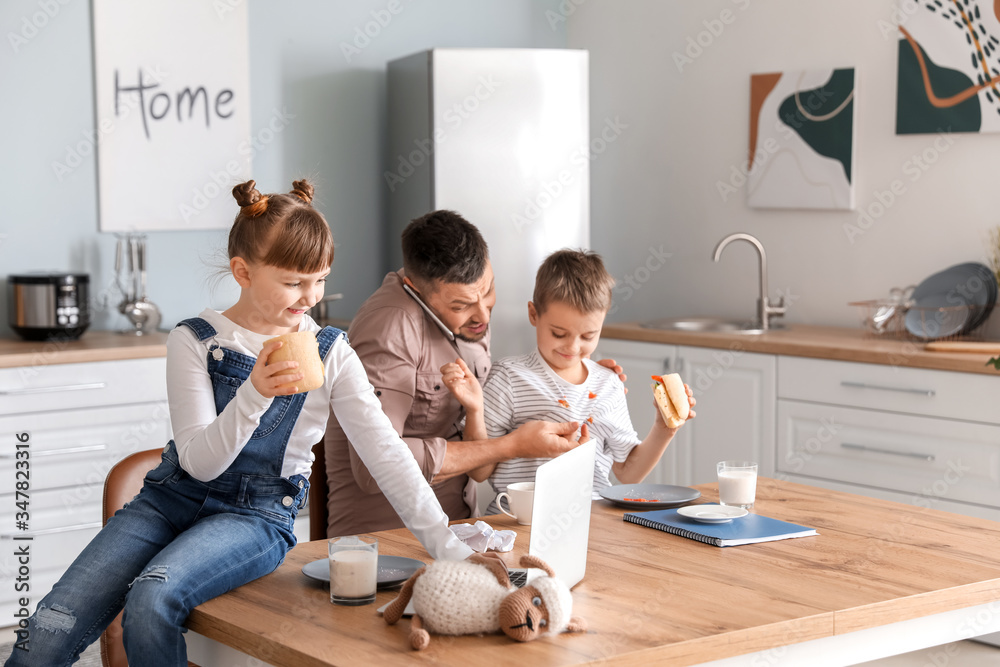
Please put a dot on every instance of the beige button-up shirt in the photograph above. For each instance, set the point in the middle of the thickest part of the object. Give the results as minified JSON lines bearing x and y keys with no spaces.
{"x":402,"y":350}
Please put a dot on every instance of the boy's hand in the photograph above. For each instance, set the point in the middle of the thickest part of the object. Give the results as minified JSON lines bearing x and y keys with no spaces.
{"x":610,"y":363}
{"x":463,"y":385}
{"x":265,"y":376}
{"x":691,"y":401}
{"x":540,"y":439}
{"x":691,"y":413}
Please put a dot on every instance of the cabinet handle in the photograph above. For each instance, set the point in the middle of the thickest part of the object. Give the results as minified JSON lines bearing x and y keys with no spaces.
{"x":880,"y":450}
{"x":667,"y":366}
{"x":59,"y":452}
{"x":47,"y":390}
{"x":51,"y":531}
{"x":905,"y":390}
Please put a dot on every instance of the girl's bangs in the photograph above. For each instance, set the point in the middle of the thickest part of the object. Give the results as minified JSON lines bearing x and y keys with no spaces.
{"x":303,"y":243}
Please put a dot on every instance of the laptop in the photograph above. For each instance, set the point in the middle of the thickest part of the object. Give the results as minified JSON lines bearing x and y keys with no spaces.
{"x":560,"y":518}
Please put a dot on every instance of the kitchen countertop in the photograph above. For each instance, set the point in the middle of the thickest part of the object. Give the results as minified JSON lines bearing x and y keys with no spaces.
{"x":91,"y":346}
{"x":818,"y":342}
{"x":95,"y":346}
{"x":836,"y":343}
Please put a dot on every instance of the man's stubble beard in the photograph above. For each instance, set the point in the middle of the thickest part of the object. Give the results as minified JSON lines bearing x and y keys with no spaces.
{"x":475,"y":339}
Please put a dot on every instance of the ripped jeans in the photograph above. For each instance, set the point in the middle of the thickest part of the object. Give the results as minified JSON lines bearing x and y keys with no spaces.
{"x":177,"y":544}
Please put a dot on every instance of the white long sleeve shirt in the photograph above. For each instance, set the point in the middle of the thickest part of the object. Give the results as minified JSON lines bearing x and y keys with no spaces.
{"x":207,"y":443}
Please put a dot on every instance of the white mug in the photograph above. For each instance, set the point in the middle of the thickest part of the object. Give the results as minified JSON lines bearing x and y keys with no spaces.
{"x":520,"y":496}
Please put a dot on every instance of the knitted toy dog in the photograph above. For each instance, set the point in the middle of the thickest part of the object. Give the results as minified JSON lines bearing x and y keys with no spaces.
{"x":462,"y":597}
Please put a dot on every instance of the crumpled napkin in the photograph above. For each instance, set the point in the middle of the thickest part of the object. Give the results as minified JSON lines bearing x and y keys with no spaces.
{"x":482,"y":537}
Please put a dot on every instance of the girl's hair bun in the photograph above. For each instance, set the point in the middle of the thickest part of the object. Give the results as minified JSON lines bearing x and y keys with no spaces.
{"x":303,"y":190}
{"x":282,"y":230}
{"x":252,"y":202}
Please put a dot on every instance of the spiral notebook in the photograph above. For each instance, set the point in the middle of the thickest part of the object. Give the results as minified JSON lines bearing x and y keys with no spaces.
{"x":749,"y":529}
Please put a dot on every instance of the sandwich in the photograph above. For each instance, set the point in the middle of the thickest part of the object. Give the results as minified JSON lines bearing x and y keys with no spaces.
{"x":671,"y":398}
{"x":300,"y":346}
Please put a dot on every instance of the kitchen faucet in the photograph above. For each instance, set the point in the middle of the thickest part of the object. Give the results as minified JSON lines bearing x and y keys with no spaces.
{"x":764,"y":308}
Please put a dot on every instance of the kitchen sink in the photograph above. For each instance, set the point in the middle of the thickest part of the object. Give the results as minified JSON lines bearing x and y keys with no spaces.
{"x":704,"y":324}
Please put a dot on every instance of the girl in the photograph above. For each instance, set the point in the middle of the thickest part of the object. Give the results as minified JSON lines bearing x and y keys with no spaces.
{"x":218,"y":510}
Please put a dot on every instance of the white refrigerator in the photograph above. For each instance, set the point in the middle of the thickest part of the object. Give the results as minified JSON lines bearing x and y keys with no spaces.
{"x":500,"y":136}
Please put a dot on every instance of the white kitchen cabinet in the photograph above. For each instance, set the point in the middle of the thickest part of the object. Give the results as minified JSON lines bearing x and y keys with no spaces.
{"x":913,"y":435}
{"x":919,"y":391}
{"x":640,"y":361}
{"x":735,"y":391}
{"x":925,"y":437}
{"x":735,"y":412}
{"x":82,"y":419}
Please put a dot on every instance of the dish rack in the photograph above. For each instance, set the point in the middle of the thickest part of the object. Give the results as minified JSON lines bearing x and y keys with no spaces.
{"x":884,"y":318}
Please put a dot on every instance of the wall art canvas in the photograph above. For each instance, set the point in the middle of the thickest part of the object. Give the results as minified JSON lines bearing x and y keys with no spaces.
{"x":802,"y":139}
{"x":949,"y":66}
{"x":172,"y":90}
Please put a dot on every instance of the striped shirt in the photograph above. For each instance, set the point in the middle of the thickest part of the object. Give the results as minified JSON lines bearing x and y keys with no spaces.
{"x":522,"y":389}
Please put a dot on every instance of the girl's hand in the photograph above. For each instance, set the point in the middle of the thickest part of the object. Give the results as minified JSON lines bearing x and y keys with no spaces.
{"x":463,"y":385}
{"x":265,"y":376}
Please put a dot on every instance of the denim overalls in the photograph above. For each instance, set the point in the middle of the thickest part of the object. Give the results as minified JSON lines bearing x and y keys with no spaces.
{"x":179,"y":542}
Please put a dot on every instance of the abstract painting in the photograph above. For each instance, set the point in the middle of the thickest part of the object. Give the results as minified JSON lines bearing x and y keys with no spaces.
{"x":802,"y":139}
{"x":949,"y":66}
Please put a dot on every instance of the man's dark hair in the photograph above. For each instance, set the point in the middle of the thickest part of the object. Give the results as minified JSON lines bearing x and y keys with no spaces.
{"x":443,"y":245}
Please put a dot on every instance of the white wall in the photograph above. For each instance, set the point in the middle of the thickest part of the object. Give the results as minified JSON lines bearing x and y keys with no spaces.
{"x":675,"y":135}
{"x":687,"y":128}
{"x":331,"y":112}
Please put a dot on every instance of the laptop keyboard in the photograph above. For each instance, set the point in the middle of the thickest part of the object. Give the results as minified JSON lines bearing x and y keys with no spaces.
{"x":518,"y":578}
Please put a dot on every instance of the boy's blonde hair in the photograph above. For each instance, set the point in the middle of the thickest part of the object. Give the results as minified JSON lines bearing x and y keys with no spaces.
{"x":574,"y":277}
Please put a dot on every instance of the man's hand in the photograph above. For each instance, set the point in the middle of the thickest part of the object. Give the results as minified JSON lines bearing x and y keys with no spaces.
{"x":540,"y":439}
{"x":463,"y":385}
{"x":610,"y":363}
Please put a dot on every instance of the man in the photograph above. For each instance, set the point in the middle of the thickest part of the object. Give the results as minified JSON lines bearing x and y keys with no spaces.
{"x":435,"y":309}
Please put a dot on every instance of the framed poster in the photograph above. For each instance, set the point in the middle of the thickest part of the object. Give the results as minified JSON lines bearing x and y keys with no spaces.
{"x":172,"y":90}
{"x":948,"y":77}
{"x":802,"y":139}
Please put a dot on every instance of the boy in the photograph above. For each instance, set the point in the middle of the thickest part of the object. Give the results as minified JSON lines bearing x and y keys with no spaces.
{"x":558,"y":381}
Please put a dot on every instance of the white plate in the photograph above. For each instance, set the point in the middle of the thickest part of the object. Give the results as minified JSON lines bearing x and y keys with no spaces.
{"x":712,"y":513}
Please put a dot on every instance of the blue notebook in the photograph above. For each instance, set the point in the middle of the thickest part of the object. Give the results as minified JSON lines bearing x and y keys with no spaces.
{"x":749,"y":529}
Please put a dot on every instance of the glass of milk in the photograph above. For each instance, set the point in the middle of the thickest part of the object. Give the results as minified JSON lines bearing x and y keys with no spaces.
{"x":737,"y":483}
{"x":353,"y":569}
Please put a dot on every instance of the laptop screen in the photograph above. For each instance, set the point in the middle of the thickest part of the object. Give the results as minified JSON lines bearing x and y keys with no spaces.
{"x":560,"y":516}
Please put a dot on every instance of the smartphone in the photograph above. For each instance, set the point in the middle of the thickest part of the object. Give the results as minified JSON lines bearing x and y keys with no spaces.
{"x":427,"y":309}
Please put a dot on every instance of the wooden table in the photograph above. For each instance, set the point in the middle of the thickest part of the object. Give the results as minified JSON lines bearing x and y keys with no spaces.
{"x":880,"y":578}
